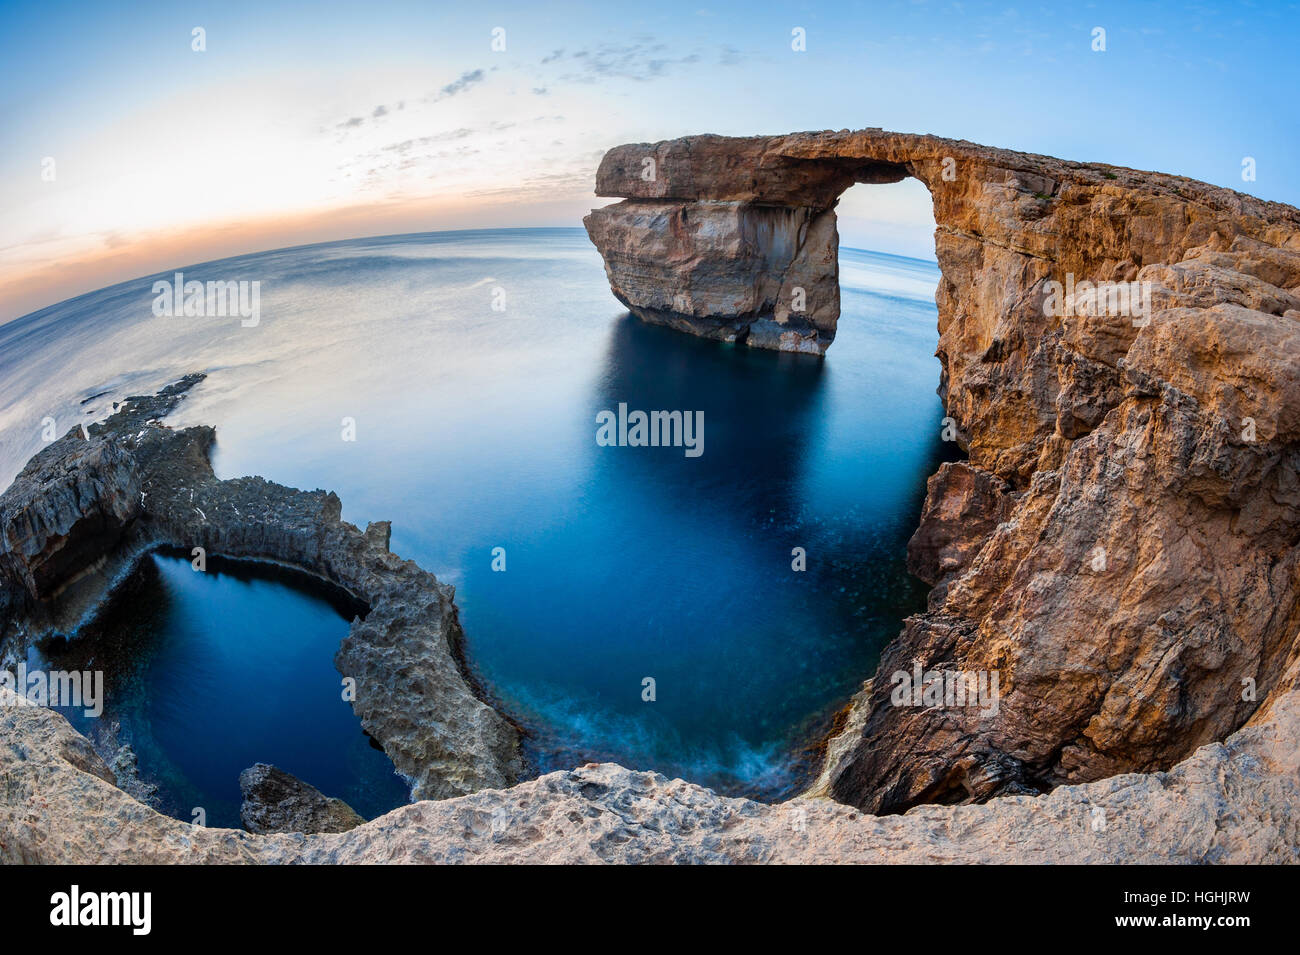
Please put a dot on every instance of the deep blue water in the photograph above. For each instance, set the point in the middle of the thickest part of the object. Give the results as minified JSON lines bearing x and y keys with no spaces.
{"x":476,"y":429}
{"x":208,"y":673}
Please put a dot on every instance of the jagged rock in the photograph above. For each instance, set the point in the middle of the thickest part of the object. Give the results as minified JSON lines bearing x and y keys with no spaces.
{"x":276,"y":801}
{"x":963,"y":506}
{"x":122,"y":761}
{"x":65,"y":513}
{"x":675,"y":264}
{"x":1231,"y":802}
{"x":1121,"y":547}
{"x":137,"y":485}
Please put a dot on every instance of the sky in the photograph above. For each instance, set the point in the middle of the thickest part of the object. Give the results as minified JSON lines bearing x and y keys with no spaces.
{"x":125,"y":151}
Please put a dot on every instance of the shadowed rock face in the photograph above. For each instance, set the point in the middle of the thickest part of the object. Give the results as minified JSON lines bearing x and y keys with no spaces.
{"x":276,"y":801}
{"x":1121,"y":546}
{"x":83,"y":511}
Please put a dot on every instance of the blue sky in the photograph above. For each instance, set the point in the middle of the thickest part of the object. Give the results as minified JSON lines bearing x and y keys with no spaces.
{"x":303,"y":122}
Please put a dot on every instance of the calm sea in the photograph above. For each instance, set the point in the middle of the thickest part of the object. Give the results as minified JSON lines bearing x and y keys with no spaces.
{"x":471,"y":367}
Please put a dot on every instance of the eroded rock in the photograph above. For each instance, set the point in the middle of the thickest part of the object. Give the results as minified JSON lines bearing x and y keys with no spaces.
{"x":276,"y":801}
{"x":1231,"y":802}
{"x":963,"y":506}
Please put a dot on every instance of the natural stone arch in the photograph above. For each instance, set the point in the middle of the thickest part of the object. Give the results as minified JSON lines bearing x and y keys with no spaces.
{"x":1117,"y":546}
{"x":716,"y":231}
{"x":725,"y":239}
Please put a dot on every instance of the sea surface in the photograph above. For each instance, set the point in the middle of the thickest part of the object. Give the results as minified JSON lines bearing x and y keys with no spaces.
{"x":469,"y":368}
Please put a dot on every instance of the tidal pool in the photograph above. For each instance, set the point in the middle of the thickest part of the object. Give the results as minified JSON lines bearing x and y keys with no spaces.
{"x":209,"y":672}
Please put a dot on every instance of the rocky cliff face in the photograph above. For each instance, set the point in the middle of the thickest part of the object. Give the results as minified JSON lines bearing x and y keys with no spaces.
{"x":1121,"y":546}
{"x":84,"y":509}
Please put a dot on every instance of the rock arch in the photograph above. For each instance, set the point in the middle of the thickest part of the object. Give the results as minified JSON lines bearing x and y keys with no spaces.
{"x":1123,"y":544}
{"x":729,"y":239}
{"x":714,"y":232}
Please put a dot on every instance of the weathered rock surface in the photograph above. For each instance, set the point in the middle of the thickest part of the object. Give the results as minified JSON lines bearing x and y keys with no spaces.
{"x":276,"y":801}
{"x":83,"y":511}
{"x":963,"y":506}
{"x":717,"y":232}
{"x":676,"y":264}
{"x":1231,"y":802}
{"x":1122,"y":545}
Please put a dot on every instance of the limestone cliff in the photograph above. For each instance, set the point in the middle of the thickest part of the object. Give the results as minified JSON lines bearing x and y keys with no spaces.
{"x":1121,"y":546}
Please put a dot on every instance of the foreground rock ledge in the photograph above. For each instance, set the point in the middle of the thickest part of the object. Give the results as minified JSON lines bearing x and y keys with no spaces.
{"x":1234,"y":802}
{"x":1123,"y":545}
{"x":84,"y":510}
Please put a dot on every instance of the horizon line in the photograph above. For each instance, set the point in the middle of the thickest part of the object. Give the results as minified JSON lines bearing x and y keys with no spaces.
{"x":6,"y":323}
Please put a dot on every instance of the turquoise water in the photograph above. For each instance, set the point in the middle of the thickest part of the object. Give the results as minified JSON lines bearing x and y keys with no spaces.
{"x":475,"y":429}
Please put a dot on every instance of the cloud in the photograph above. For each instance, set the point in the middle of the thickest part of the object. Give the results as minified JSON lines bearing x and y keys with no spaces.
{"x":550,"y":186}
{"x":446,"y":137}
{"x":641,"y":60}
{"x":352,"y":123}
{"x":461,"y":83}
{"x":380,"y":110}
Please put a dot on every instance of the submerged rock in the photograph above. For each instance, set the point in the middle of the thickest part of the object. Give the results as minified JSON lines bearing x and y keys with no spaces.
{"x":125,"y":765}
{"x":276,"y":801}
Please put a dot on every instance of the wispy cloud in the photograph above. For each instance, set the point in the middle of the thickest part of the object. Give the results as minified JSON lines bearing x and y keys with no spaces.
{"x":545,"y":186}
{"x":643,"y":59}
{"x":462,"y":83}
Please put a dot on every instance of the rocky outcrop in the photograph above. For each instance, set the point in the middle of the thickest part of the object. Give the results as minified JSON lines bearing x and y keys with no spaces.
{"x":1121,"y":546}
{"x":88,"y":506}
{"x":1231,"y":802}
{"x":276,"y":801}
{"x":677,"y":264}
